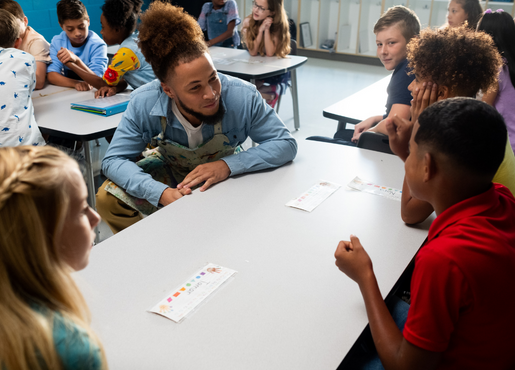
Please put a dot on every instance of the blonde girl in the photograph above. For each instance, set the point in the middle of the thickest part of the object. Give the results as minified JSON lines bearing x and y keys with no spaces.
{"x":266,"y":32}
{"x":46,"y":232}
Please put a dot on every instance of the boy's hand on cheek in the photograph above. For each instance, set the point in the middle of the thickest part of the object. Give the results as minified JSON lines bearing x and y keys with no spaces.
{"x":66,"y":56}
{"x":353,"y":260}
{"x":423,"y":98}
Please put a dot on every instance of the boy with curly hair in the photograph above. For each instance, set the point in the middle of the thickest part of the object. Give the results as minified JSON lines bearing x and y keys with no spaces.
{"x":447,"y":63}
{"x":75,"y":45}
{"x":455,"y":320}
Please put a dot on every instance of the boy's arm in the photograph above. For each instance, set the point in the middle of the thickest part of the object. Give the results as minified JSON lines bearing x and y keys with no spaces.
{"x":40,"y":75}
{"x":224,"y":36}
{"x":394,"y":350}
{"x":401,"y":110}
{"x":364,"y":126}
{"x":60,"y":80}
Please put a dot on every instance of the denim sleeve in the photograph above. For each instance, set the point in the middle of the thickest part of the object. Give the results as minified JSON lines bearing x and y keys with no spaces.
{"x":202,"y":18}
{"x":130,"y":139}
{"x":232,"y":12}
{"x":276,"y":145}
{"x":56,"y":65}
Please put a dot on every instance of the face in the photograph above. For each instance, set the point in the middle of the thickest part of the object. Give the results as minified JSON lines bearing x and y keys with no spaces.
{"x":195,"y":87}
{"x":76,"y":30}
{"x":260,"y":10}
{"x":108,"y":34}
{"x":416,"y":83}
{"x":79,"y":228}
{"x":414,"y":166}
{"x":391,"y":47}
{"x":455,"y":14}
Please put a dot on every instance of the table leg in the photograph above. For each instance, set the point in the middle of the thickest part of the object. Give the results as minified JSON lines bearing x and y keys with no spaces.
{"x":90,"y":181}
{"x":295,"y":99}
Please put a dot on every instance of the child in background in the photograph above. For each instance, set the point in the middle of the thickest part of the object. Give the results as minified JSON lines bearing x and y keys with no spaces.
{"x":220,"y":18}
{"x":17,"y":80}
{"x":436,"y":57}
{"x":46,"y":233}
{"x":76,"y":44}
{"x":267,"y":32}
{"x":128,"y":67}
{"x":460,"y":11}
{"x":462,"y":294}
{"x":31,"y":41}
{"x":396,"y":27}
{"x":501,"y":27}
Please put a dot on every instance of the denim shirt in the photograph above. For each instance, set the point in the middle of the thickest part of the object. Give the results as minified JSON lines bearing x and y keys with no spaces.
{"x":247,"y":115}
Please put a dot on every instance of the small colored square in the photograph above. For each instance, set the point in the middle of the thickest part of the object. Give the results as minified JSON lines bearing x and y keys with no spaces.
{"x":198,"y":277}
{"x":176,"y":294}
{"x":202,"y":273}
{"x":169,"y":299}
{"x":182,"y":289}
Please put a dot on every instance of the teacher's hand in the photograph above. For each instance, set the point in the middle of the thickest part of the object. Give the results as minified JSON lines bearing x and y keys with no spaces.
{"x":171,"y":195}
{"x":210,"y":173}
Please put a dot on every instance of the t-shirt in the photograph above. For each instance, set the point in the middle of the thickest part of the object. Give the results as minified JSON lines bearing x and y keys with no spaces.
{"x":397,"y":89}
{"x":17,"y":81}
{"x":93,"y":53}
{"x":195,"y":137}
{"x":72,"y":343}
{"x":231,"y":9}
{"x":36,"y":45}
{"x":504,"y":103}
{"x":129,"y":63}
{"x":463,"y":284}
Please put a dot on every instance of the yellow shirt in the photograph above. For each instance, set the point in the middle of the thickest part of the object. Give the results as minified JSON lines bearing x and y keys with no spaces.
{"x":506,"y":173}
{"x":123,"y":61}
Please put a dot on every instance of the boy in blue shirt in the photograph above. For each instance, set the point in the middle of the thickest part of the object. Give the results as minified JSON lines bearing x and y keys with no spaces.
{"x":396,"y":27}
{"x":76,"y":44}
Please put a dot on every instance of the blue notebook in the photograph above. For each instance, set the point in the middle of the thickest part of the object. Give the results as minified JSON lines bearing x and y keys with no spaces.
{"x":104,"y":106}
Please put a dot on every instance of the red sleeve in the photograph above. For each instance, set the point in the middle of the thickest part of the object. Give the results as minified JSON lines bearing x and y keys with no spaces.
{"x":438,"y":293}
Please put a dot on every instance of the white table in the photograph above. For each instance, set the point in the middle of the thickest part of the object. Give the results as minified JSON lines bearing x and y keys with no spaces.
{"x":239,"y":63}
{"x":370,"y":101}
{"x":288,"y":307}
{"x":55,"y":117}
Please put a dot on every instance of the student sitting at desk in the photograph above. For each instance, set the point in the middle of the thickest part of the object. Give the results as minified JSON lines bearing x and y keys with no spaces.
{"x":194,"y":115}
{"x":461,"y":11}
{"x":396,"y":27}
{"x":447,"y":63}
{"x":219,"y":19}
{"x":129,"y":66}
{"x":462,"y":295}
{"x":31,"y":41}
{"x":17,"y":81}
{"x":76,"y":45}
{"x":47,"y":231}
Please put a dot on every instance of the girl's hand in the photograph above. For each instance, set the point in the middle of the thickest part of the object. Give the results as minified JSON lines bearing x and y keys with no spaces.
{"x":105,"y":91}
{"x":422,"y":99}
{"x":265,"y":25}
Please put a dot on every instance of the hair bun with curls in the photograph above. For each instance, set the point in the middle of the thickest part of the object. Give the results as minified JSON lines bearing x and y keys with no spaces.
{"x":169,"y":36}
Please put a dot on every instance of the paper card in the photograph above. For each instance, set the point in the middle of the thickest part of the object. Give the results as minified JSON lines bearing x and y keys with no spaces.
{"x":369,"y":187}
{"x":319,"y":192}
{"x":186,"y":297}
{"x":248,"y":61}
{"x":223,"y":61}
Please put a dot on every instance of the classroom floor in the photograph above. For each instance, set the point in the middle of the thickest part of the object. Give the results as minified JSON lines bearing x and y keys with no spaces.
{"x":321,"y":83}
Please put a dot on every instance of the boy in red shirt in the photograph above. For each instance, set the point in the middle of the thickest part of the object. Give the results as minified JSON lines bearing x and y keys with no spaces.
{"x":463,"y":286}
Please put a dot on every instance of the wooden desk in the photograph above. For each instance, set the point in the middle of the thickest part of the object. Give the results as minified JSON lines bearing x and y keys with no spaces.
{"x":370,"y":101}
{"x":288,"y":307}
{"x":55,"y":117}
{"x":251,"y":68}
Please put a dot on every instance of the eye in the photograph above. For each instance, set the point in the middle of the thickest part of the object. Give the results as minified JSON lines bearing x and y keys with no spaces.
{"x":196,"y":87}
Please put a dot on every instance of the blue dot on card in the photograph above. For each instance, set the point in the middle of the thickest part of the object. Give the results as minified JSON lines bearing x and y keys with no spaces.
{"x":198,"y":277}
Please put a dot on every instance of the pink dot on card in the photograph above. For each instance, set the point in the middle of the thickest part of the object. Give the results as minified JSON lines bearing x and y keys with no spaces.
{"x":169,"y":299}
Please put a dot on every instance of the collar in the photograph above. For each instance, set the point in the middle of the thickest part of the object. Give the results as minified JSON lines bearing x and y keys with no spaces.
{"x":465,"y":209}
{"x":402,"y":65}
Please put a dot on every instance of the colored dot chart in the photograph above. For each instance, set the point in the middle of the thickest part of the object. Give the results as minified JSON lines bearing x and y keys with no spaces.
{"x":371,"y":188}
{"x":182,"y":300}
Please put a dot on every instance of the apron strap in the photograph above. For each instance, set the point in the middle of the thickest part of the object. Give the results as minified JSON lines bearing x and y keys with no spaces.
{"x":163,"y":126}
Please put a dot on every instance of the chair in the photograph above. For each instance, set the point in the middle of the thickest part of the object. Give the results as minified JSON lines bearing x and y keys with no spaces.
{"x":374,"y":141}
{"x":293,"y":51}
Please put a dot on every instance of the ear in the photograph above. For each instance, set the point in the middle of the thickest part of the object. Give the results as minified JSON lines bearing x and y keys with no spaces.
{"x":429,"y":167}
{"x":168,"y":90}
{"x":443,"y":93}
{"x":25,"y":20}
{"x":17,"y":43}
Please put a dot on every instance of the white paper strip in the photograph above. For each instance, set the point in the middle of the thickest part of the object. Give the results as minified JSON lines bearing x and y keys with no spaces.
{"x":319,"y":192}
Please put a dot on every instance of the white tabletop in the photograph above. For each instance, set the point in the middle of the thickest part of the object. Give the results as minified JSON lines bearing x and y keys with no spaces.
{"x":288,"y":307}
{"x":54,"y":115}
{"x":243,"y":65}
{"x":371,"y":101}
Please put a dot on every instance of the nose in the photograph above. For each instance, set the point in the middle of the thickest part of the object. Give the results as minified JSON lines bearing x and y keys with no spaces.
{"x":411,"y":86}
{"x":209,"y":92}
{"x":94,"y":218}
